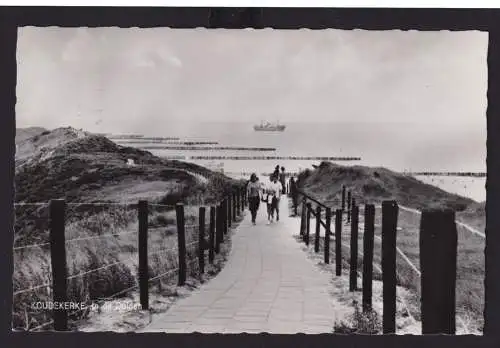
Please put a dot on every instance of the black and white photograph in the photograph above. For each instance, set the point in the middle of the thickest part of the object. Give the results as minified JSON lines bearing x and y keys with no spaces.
{"x":250,"y":181}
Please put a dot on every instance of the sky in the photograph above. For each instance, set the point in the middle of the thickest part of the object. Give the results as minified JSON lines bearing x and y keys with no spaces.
{"x":125,"y":80}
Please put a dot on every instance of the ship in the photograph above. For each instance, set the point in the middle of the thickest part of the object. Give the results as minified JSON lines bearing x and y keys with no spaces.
{"x":269,"y":127}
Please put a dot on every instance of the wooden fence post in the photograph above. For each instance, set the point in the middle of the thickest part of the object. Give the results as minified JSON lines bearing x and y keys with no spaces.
{"x":234,"y":206}
{"x":143,"y":255}
{"x":211,"y":238}
{"x":368,"y":256}
{"x":238,"y":202}
{"x":349,"y":206}
{"x":222,"y":221}
{"x":343,"y":198}
{"x":353,"y":274}
{"x":228,"y":212}
{"x":338,"y":242}
{"x":389,"y":228}
{"x":303,"y":220}
{"x":218,"y":229}
{"x":181,"y":242}
{"x":237,"y":212}
{"x":58,"y":260}
{"x":295,"y":202}
{"x":229,"y":209}
{"x":327,"y":234}
{"x":438,"y":264}
{"x":318,"y":226}
{"x":308,"y":222}
{"x":201,"y":240}
{"x":242,"y":195}
{"x":224,"y":218}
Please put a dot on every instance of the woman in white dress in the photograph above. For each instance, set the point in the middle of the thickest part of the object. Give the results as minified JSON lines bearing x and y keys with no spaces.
{"x":273,"y":192}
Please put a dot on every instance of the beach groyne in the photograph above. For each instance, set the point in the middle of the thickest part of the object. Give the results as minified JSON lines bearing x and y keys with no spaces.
{"x":265,"y":158}
{"x":139,"y":136}
{"x":469,"y":174}
{"x":168,"y":142}
{"x":287,"y":174}
{"x":208,"y":148}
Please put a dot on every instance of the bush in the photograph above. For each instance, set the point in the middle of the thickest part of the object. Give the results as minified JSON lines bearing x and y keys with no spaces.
{"x":360,"y":323}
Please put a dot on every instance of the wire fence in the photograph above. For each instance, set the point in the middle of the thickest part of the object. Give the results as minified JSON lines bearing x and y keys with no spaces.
{"x":104,"y":251}
{"x":407,"y":252}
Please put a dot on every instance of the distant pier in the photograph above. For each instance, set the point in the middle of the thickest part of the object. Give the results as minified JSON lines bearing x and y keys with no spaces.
{"x":138,"y":136}
{"x":287,"y":174}
{"x":208,"y":148}
{"x":265,"y":158}
{"x":469,"y":174}
{"x":169,"y":142}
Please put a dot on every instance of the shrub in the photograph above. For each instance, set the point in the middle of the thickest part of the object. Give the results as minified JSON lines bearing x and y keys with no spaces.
{"x":360,"y":323}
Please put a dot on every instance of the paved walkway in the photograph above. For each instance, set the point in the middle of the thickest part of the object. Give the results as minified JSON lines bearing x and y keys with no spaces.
{"x":267,"y":285}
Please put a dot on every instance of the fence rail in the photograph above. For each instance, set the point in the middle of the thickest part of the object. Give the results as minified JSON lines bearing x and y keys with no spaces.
{"x":217,"y":227}
{"x":438,"y":232}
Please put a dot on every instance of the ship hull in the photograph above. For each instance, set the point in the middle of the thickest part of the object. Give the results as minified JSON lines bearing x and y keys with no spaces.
{"x":270,"y":129}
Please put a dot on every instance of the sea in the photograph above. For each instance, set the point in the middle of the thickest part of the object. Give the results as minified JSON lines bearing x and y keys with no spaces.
{"x":399,"y":146}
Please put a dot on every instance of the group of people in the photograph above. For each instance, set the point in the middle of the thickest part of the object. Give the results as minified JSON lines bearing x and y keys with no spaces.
{"x":269,"y":193}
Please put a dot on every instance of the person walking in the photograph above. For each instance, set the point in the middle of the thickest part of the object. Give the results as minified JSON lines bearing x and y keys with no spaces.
{"x":253,"y":194}
{"x":273,"y":191}
{"x":293,"y":192}
{"x":283,"y":180}
{"x":276,"y":170}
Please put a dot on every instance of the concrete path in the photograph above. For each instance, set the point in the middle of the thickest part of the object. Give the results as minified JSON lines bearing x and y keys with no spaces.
{"x":267,"y":285}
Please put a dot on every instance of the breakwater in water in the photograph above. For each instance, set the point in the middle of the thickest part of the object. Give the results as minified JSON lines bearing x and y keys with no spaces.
{"x":471,"y":174}
{"x":260,"y":158}
{"x":168,"y":142}
{"x":287,"y":174}
{"x":208,"y":148}
{"x":137,"y":136}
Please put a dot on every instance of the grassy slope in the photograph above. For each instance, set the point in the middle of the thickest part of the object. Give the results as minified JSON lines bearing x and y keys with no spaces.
{"x":474,"y":215}
{"x":375,"y":185}
{"x":369,"y":188}
{"x":29,"y":132}
{"x":81,"y":167}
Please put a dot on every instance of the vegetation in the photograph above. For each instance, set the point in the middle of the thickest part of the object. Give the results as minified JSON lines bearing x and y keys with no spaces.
{"x":86,"y":169}
{"x":360,"y":323}
{"x":26,"y":133}
{"x":373,"y":185}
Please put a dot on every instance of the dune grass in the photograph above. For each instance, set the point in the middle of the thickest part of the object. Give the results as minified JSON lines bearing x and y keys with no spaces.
{"x":470,"y":255}
{"x":84,"y":168}
{"x":118,"y":247}
{"x":103,"y":238}
{"x":470,"y":270}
